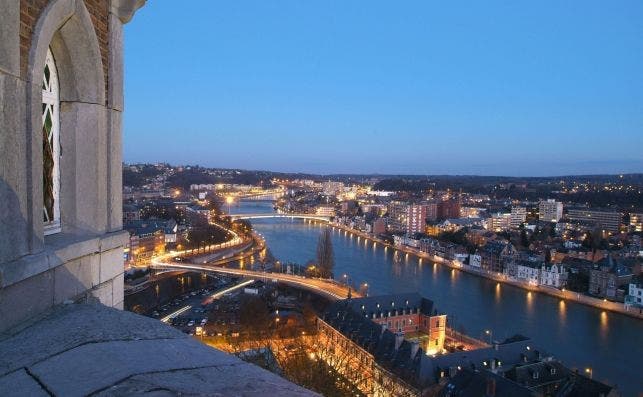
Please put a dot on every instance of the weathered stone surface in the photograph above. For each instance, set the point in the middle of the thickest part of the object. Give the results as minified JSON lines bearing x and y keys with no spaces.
{"x":114,"y":240}
{"x":104,"y":293}
{"x":13,"y":196}
{"x":114,"y":170}
{"x":9,"y":37}
{"x":74,"y":278}
{"x":231,"y":380}
{"x":64,"y":247}
{"x":125,"y":9}
{"x":26,"y":299}
{"x":115,"y":68}
{"x":86,"y":349}
{"x":23,"y":268}
{"x":20,"y":383}
{"x":83,"y":188}
{"x":95,"y":366}
{"x":73,"y":325}
{"x":118,"y":291}
{"x":111,"y":264}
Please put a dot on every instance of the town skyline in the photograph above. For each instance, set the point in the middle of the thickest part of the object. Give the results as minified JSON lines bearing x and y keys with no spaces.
{"x":384,"y":175}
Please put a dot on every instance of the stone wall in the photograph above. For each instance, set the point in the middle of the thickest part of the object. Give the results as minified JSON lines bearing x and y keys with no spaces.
{"x":85,"y":260}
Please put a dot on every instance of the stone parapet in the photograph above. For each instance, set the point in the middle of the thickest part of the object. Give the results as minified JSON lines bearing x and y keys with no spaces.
{"x":71,"y":268}
{"x":89,"y":349}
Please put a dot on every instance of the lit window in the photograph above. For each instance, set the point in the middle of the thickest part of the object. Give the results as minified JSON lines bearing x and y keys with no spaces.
{"x":51,"y":147}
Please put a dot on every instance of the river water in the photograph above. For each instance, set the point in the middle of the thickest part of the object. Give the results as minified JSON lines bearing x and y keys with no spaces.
{"x":581,"y":336}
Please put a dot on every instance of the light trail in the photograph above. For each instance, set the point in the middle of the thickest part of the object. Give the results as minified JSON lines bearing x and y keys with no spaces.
{"x":225,"y":291}
{"x":176,"y":313}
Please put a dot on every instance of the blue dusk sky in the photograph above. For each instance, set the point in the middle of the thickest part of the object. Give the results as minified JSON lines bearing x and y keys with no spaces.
{"x":520,"y":88}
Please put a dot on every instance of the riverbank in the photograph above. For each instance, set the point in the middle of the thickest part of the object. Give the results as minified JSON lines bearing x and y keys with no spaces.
{"x":564,"y":295}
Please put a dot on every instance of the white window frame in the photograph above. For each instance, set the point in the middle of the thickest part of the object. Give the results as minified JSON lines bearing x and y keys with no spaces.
{"x":51,"y":99}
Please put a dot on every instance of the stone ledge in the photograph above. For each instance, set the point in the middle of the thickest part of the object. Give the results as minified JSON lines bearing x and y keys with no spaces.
{"x":83,"y":349}
{"x":233,"y":380}
{"x":59,"y":249}
{"x":20,"y":383}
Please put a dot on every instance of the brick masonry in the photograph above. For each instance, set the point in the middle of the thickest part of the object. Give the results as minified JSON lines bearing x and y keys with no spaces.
{"x":30,"y":11}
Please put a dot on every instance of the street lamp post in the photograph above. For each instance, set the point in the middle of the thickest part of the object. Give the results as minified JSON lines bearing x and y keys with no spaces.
{"x":590,"y":372}
{"x":490,"y":333}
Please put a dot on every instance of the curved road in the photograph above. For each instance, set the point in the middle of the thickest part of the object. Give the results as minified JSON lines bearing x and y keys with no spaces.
{"x":327,"y":288}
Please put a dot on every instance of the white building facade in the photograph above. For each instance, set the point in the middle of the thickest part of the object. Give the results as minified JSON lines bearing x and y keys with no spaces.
{"x":554,"y":275}
{"x":550,"y":210}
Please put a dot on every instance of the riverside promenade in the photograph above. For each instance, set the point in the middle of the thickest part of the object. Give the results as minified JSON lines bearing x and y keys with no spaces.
{"x":566,"y":295}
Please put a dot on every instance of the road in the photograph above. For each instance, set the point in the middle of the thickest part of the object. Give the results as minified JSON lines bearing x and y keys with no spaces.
{"x":327,"y":288}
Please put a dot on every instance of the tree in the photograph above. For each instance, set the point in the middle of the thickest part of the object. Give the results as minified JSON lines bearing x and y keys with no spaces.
{"x":524,"y":241}
{"x":254,"y":316}
{"x":325,"y":256}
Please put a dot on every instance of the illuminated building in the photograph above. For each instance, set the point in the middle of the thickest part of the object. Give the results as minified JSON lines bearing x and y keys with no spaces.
{"x":518,"y":216}
{"x":636,"y":221}
{"x":499,"y":222}
{"x":390,"y":337}
{"x":600,"y":219}
{"x":550,"y":210}
{"x":325,"y":210}
{"x":416,"y":217}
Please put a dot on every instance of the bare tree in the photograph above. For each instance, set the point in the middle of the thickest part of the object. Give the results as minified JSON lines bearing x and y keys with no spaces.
{"x":325,"y":256}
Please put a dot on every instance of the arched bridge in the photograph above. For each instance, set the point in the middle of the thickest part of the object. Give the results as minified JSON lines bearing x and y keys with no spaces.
{"x":327,"y":288}
{"x":292,"y":216}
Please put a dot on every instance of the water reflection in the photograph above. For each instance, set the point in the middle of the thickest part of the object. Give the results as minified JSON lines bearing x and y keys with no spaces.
{"x":604,"y":325}
{"x":498,"y":293}
{"x":530,"y":302}
{"x":562,"y":312}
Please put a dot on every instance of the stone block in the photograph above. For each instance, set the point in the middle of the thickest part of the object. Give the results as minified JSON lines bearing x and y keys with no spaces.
{"x":77,"y":372}
{"x":66,"y":247}
{"x":34,"y":166}
{"x":10,"y":37}
{"x":114,"y":240}
{"x":90,"y":264}
{"x":235,"y":380}
{"x":103,"y":293}
{"x":73,"y":325}
{"x":118,"y":290}
{"x":114,"y":171}
{"x":115,"y":67}
{"x":23,"y":268}
{"x":75,"y":277}
{"x":14,"y":223}
{"x":19,"y":383}
{"x":111,"y":264}
{"x":26,"y":299}
{"x":83,"y":187}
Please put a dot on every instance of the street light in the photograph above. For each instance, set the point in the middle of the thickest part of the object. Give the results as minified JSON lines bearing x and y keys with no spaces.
{"x":589,"y":371}
{"x":490,"y":333}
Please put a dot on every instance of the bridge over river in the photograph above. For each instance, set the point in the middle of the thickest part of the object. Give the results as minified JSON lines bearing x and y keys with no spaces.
{"x":314,"y":217}
{"x":324,"y":287}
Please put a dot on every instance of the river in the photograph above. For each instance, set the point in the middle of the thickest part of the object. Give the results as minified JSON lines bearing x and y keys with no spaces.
{"x":579,"y":335}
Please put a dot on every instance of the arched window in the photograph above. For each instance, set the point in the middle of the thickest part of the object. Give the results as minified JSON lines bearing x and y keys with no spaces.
{"x":51,"y":146}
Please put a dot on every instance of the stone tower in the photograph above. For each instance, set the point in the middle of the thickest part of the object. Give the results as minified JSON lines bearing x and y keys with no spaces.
{"x":61,"y":104}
